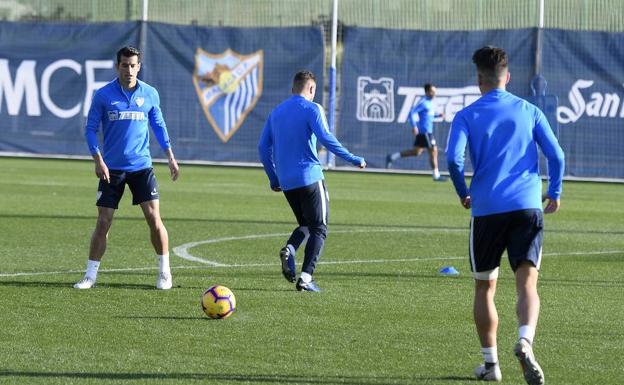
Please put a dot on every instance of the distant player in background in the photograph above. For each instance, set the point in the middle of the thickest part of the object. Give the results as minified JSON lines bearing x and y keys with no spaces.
{"x":288,"y":152}
{"x":123,"y":108}
{"x":503,"y":133}
{"x":423,"y":132}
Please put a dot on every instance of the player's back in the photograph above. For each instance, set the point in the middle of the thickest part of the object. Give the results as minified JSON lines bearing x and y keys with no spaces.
{"x":503,"y":151}
{"x":294,"y":143}
{"x":423,"y":109}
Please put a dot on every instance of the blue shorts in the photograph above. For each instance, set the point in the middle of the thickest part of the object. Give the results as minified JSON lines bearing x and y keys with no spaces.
{"x":425,"y":141}
{"x":142,"y":184}
{"x":519,"y":232}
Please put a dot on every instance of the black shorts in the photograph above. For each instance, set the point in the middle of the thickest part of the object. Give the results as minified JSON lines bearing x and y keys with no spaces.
{"x":519,"y":232}
{"x":310,"y":204}
{"x":142,"y":183}
{"x":425,"y":141}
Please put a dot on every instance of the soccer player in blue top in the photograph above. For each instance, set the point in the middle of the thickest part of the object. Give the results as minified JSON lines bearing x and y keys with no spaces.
{"x":423,"y":132}
{"x":288,"y":152}
{"x":123,"y":109}
{"x":503,"y":133}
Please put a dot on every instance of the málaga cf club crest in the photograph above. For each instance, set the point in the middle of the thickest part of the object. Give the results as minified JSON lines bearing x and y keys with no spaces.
{"x":228,"y":86}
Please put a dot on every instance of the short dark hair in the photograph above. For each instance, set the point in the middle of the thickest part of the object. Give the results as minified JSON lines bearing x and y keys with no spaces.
{"x":300,"y":80}
{"x":491,"y":62}
{"x":428,"y":87}
{"x":128,"y":51}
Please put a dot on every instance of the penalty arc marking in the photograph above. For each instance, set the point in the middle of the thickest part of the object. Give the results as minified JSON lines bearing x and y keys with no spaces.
{"x":182,"y":251}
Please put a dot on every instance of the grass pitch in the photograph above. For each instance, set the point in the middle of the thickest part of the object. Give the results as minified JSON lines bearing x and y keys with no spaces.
{"x":385,"y":316}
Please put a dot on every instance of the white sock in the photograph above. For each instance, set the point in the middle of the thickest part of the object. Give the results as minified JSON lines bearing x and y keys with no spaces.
{"x":527,"y":332}
{"x":395,"y":156}
{"x":291,"y":248}
{"x":305,"y":277}
{"x":164,"y":263}
{"x":490,"y":354}
{"x":436,"y":173}
{"x":92,"y":269}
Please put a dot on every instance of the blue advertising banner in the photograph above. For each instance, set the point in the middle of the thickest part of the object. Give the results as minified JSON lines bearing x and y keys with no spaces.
{"x":48,"y":73}
{"x":383,"y":74}
{"x":586,"y":71}
{"x":217,"y":85}
{"x":384,"y":71}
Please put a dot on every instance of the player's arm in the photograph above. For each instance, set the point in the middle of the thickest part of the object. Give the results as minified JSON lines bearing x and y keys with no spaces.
{"x":174,"y":169}
{"x":455,"y":157}
{"x":551,"y":149}
{"x":94,"y":121}
{"x":157,"y":122}
{"x":265,"y":150}
{"x":412,"y":117}
{"x":319,"y":126}
{"x":101,"y":169}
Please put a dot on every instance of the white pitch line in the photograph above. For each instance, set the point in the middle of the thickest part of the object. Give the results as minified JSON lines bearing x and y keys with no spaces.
{"x":182,"y":250}
{"x":361,"y":261}
{"x":203,"y":266}
{"x":348,"y":262}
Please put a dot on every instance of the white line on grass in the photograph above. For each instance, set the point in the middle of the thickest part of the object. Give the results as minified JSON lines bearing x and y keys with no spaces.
{"x":204,"y":266}
{"x":369,"y":261}
{"x":182,"y":252}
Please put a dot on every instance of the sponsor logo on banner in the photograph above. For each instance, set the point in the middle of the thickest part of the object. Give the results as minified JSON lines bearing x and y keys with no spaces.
{"x":602,"y":105}
{"x":376,"y":100}
{"x":21,"y":88}
{"x":448,"y":101}
{"x":228,"y":86}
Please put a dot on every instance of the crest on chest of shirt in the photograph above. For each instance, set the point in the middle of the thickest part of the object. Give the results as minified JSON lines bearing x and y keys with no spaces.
{"x":228,"y":86}
{"x":139,"y":101}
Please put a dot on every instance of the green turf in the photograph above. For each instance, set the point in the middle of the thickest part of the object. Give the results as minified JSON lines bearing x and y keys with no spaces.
{"x":385,"y":315}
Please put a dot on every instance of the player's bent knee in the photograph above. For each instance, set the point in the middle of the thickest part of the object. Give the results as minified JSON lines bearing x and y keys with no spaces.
{"x":319,"y":230}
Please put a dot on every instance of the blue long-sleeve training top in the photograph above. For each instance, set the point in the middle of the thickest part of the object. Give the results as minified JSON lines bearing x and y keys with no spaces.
{"x":423,"y":109}
{"x":287,"y":144}
{"x":124,"y":118}
{"x":503,"y":132}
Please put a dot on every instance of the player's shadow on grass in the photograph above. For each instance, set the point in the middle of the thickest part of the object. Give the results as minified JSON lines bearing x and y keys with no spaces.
{"x":580,"y":283}
{"x":252,"y":289}
{"x":234,"y":378}
{"x":394,"y":276}
{"x":60,"y":285}
{"x":133,"y":286}
{"x":170,"y":318}
{"x":69,"y":285}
